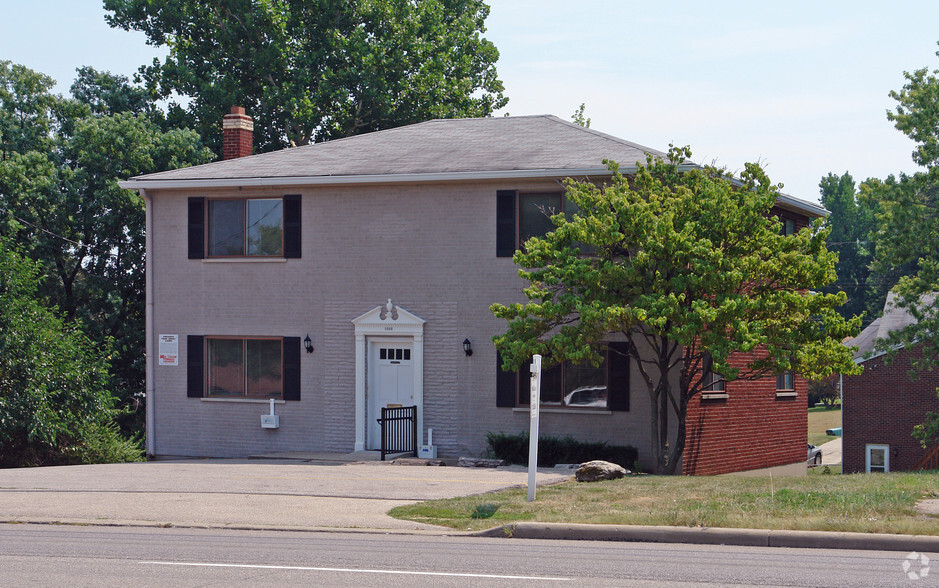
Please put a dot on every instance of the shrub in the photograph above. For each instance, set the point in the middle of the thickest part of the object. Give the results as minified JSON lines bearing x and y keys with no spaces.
{"x":513,"y":449}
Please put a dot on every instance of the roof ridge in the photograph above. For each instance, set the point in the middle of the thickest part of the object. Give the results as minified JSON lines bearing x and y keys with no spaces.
{"x":603,"y":135}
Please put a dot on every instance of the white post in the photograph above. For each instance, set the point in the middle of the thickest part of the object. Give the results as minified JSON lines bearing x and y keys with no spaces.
{"x":533,"y":429}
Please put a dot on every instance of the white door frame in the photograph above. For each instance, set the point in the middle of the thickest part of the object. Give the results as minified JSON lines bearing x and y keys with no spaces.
{"x":867,"y":456}
{"x":387,"y":321}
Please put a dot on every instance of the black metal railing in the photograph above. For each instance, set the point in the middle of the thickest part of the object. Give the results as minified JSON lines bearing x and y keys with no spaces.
{"x":398,"y":430}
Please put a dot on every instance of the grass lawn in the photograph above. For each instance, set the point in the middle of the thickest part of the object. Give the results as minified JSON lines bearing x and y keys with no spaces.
{"x":880,"y":503}
{"x":820,"y":419}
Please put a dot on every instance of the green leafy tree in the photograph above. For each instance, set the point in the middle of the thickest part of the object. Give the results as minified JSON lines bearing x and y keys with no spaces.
{"x":683,"y":266}
{"x":59,"y":199}
{"x":853,"y":225}
{"x":55,"y":407}
{"x":312,"y":71}
{"x":908,"y":233}
{"x":579,"y":118}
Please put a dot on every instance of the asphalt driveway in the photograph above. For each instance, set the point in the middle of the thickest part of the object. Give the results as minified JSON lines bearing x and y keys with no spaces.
{"x":241,"y":493}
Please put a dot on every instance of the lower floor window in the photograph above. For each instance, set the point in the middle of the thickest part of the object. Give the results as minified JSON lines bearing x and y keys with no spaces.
{"x":568,"y":384}
{"x":246,"y":367}
{"x":877,"y":459}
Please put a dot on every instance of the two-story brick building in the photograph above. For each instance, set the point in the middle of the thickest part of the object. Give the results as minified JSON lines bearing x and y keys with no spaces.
{"x":385,"y":251}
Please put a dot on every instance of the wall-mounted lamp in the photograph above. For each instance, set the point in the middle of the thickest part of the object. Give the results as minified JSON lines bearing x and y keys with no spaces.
{"x":467,"y":347}
{"x":308,"y":343}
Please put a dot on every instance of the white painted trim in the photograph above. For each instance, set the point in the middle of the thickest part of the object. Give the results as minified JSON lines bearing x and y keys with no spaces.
{"x":714,"y":396}
{"x":371,"y":325}
{"x":544,"y":409}
{"x":786,"y":394}
{"x":244,"y":400}
{"x":245,"y":260}
{"x":149,"y":334}
{"x":511,"y":174}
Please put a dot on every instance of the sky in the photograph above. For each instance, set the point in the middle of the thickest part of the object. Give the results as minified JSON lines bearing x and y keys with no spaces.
{"x":801,"y":87}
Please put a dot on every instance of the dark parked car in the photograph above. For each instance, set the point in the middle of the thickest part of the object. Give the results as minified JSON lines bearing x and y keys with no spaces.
{"x":815,"y":456}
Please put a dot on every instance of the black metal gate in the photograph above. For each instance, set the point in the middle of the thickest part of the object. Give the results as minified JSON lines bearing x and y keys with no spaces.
{"x":398,"y":430}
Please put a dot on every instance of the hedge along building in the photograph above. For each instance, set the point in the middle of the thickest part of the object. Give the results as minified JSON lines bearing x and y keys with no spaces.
{"x":387,"y":250}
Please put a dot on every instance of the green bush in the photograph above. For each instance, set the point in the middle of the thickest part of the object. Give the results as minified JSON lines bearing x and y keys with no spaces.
{"x":513,"y":449}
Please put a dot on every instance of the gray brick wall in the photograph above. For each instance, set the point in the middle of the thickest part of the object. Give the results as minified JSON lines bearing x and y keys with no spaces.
{"x":430,"y":248}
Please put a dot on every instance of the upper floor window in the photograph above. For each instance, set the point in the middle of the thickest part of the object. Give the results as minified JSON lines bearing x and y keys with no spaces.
{"x":521,"y":216}
{"x":246,"y":227}
{"x":711,"y":380}
{"x":785,"y":382}
{"x":788,"y":226}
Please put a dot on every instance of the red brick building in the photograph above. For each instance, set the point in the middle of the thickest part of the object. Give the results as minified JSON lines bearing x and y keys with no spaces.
{"x":883,"y":404}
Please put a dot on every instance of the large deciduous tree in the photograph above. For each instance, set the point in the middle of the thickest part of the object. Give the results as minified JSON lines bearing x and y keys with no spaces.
{"x":908,"y":234}
{"x":315,"y":70}
{"x":60,"y":160}
{"x":684,"y":266}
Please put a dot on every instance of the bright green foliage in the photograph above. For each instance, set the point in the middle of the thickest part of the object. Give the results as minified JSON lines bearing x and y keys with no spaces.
{"x":908,"y":234}
{"x":578,"y":118}
{"x":917,"y":114}
{"x":680,"y":265}
{"x":55,"y":407}
{"x":928,"y":431}
{"x":315,"y":70}
{"x":59,"y":199}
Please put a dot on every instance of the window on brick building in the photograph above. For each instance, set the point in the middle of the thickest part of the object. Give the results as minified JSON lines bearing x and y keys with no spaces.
{"x":571,"y":386}
{"x":244,"y":227}
{"x":711,"y":380}
{"x":523,"y":215}
{"x":243,"y":367}
{"x":877,"y":459}
{"x":785,"y":382}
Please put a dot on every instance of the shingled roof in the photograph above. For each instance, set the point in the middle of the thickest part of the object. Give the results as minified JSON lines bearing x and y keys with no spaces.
{"x":436,"y":150}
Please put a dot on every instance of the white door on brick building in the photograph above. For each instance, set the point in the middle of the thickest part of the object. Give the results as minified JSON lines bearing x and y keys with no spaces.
{"x":390,"y":381}
{"x":389,"y":369}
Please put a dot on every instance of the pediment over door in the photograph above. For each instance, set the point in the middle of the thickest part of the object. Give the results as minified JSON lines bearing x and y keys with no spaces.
{"x":388,"y":319}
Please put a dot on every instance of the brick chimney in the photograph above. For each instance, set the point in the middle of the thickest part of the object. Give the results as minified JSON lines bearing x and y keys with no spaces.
{"x":237,"y":134}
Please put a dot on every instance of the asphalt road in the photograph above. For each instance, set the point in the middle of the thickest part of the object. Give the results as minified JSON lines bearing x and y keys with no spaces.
{"x":47,"y":555}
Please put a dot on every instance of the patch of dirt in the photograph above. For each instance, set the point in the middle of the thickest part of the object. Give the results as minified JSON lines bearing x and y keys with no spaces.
{"x":930,"y":506}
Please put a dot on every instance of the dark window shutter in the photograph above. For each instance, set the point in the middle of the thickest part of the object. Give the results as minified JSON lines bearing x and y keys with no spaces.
{"x":195,"y":366}
{"x":291,"y":368}
{"x":292,"y":226}
{"x":506,"y":384}
{"x":197,"y":228}
{"x":618,"y":377}
{"x":505,"y":223}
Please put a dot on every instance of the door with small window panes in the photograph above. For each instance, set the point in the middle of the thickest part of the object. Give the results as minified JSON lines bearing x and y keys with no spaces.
{"x":391,"y":382}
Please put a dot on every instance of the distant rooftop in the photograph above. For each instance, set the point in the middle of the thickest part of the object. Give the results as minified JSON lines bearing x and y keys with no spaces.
{"x":893,"y":319}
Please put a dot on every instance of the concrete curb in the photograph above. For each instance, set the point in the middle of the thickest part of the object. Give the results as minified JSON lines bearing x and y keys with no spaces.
{"x":717,"y":536}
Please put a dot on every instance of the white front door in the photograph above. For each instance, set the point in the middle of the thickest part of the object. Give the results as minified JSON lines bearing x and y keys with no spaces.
{"x":390,"y":381}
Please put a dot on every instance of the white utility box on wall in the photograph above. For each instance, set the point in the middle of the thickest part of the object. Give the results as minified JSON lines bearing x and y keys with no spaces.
{"x":428,"y":451}
{"x":270,"y":421}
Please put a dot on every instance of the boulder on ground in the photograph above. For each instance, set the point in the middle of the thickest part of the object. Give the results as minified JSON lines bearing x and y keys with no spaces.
{"x":596,"y":470}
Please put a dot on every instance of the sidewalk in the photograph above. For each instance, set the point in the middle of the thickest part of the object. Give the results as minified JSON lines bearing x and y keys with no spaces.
{"x":325,"y":493}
